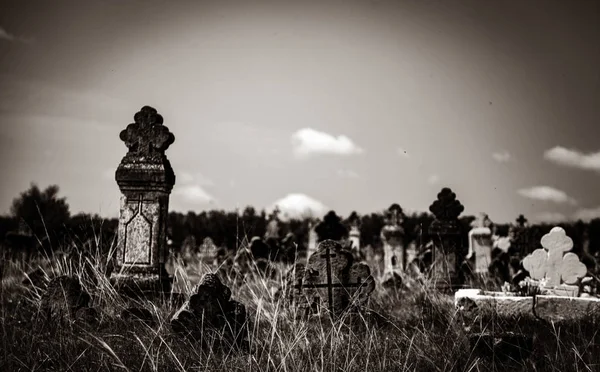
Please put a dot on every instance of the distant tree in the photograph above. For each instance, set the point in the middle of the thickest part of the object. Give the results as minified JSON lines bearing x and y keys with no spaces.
{"x":43,"y":211}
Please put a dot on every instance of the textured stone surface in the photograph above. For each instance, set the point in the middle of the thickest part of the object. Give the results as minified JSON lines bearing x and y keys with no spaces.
{"x":145,"y":178}
{"x":333,"y":282}
{"x":547,"y":307}
{"x":63,"y":297}
{"x":211,"y":315}
{"x":552,"y":264}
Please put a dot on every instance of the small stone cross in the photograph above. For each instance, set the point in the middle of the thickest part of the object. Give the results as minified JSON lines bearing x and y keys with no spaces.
{"x":521,"y":221}
{"x":552,"y":263}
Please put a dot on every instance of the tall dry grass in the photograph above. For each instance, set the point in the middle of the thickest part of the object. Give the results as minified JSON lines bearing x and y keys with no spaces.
{"x":403,"y":330}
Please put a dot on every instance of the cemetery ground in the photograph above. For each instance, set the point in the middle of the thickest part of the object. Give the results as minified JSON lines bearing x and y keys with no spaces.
{"x":409,"y":329}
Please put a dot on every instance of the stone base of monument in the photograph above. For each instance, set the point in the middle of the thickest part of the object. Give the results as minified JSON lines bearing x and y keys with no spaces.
{"x":151,"y":287}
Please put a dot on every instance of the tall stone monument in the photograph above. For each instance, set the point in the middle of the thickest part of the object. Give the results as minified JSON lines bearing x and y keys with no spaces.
{"x":145,"y":178}
{"x":392,"y":236}
{"x":445,"y":233}
{"x":354,"y":233}
{"x":481,"y":244}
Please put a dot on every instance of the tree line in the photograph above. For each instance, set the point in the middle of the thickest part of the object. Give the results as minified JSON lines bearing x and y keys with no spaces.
{"x":46,"y":218}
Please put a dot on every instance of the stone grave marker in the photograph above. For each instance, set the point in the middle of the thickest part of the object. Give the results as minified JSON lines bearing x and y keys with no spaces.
{"x":208,"y":252}
{"x":145,"y":178}
{"x":354,"y":233}
{"x":331,"y":281}
{"x":554,"y":266}
{"x":210,"y":315}
{"x":447,"y":246}
{"x":392,"y":236}
{"x":481,"y":244}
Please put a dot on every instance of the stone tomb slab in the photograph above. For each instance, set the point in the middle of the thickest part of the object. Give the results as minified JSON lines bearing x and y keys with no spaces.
{"x":547,"y":307}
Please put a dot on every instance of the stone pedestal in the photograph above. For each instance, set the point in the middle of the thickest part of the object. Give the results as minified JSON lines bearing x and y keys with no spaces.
{"x":145,"y":178}
{"x":445,"y":233}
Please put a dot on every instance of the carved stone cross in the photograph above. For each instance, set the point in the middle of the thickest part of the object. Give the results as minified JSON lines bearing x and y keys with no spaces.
{"x":552,"y":263}
{"x":521,"y":221}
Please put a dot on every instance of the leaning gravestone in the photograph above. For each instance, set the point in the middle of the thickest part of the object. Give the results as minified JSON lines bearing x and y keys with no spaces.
{"x":145,"y":178}
{"x":212,"y":316}
{"x":331,"y":282}
{"x":445,"y":232}
{"x":480,"y":244}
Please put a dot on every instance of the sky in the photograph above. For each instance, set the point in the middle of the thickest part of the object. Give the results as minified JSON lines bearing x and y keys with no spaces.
{"x":344,"y":105}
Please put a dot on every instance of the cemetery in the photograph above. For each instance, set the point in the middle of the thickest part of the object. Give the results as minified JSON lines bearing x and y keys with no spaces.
{"x":378,"y":293}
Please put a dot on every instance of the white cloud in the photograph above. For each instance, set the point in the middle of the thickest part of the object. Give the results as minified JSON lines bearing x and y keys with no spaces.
{"x":551,"y":217}
{"x":547,"y":193}
{"x":195,"y":178}
{"x":298,"y":205}
{"x":587,"y":214}
{"x":307,"y":142}
{"x":573,"y":158}
{"x":501,"y":157}
{"x":347,"y":173}
{"x":402,"y":152}
{"x":433,"y":179}
{"x":194,"y":194}
{"x":5,"y":35}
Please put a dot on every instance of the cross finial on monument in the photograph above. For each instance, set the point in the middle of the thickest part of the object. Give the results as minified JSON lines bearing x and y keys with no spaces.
{"x":446,"y":207}
{"x":395,"y":214}
{"x":147,"y":135}
{"x":521,"y":221}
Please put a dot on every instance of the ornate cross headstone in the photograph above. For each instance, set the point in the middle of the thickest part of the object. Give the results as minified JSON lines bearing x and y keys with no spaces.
{"x":445,"y":233}
{"x":145,"y":178}
{"x":332,"y":281}
{"x":354,"y":233}
{"x":392,"y":236}
{"x":480,"y":243}
{"x":559,"y":270}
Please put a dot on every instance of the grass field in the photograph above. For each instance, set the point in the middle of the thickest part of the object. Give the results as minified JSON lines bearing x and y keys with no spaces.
{"x":411,"y":330}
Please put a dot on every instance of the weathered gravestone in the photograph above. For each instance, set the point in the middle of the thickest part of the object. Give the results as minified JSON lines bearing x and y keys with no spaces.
{"x":480,"y":244}
{"x":331,"y":282}
{"x":145,"y":178}
{"x":212,"y":316}
{"x":392,"y":236}
{"x":66,"y":300}
{"x":445,"y":232}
